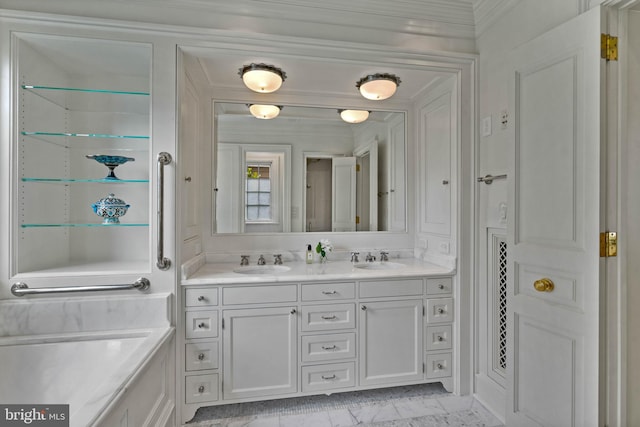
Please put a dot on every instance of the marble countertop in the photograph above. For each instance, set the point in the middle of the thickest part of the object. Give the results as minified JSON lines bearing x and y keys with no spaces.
{"x":223,"y":273}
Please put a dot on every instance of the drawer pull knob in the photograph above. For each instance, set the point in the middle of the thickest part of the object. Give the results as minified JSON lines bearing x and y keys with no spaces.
{"x":332,"y":347}
{"x":201,"y":356}
{"x":201,"y":298}
{"x":202,"y":325}
{"x":363,"y":308}
{"x":441,"y":286}
{"x":440,"y":366}
{"x":329,"y":292}
{"x":440,"y":338}
{"x":329,"y":317}
{"x":293,"y":311}
{"x":201,"y":389}
{"x":440,"y":311}
{"x":332,"y":377}
{"x":544,"y":285}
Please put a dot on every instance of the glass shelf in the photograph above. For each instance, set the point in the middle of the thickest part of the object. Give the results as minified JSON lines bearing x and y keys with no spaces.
{"x":84,"y":135}
{"x":88,"y":99}
{"x":75,"y":89}
{"x":122,"y":224}
{"x":70,"y":180}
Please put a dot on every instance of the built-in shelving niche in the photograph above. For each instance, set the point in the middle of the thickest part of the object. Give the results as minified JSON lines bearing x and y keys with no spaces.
{"x":76,"y":97}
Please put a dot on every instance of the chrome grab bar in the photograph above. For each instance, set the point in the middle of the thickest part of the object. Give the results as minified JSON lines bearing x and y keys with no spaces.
{"x":162,"y":262}
{"x":21,"y":289}
{"x":488,"y":179}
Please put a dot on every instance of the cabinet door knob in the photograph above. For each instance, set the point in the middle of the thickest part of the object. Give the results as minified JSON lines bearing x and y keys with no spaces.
{"x":201,"y":389}
{"x":440,"y":338}
{"x":201,"y":298}
{"x":363,"y":308}
{"x":187,"y":178}
{"x":445,"y":181}
{"x":440,"y":366}
{"x":201,"y":356}
{"x":440,"y":310}
{"x":441,"y":286}
{"x":293,"y":311}
{"x":201,"y":325}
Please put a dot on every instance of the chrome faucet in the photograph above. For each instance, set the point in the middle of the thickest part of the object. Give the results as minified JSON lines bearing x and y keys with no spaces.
{"x":384,"y":256}
{"x":244,"y":259}
{"x":261,"y":260}
{"x":278,"y":259}
{"x":354,"y":256}
{"x":369,"y":258}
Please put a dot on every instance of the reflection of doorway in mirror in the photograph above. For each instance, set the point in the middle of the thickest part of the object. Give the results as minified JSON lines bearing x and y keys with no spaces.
{"x":318,"y":192}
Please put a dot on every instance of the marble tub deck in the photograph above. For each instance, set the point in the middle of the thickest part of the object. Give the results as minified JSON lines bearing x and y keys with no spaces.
{"x":426,"y":405}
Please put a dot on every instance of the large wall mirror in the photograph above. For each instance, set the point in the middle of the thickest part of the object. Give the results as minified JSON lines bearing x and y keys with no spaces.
{"x":307,"y":170}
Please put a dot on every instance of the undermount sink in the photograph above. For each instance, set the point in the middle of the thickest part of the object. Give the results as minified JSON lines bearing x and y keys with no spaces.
{"x":262,"y":269}
{"x":379,"y":265}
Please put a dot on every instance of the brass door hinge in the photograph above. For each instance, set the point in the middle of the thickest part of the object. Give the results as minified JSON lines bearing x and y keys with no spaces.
{"x":357,"y":219}
{"x":608,"y":47}
{"x":608,"y":244}
{"x":357,"y":167}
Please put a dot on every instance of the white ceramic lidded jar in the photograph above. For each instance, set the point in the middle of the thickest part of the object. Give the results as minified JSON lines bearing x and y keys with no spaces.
{"x":110,"y":208}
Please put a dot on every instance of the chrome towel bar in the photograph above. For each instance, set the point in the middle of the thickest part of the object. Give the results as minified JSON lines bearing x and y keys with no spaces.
{"x":162,"y":262}
{"x":20,"y":289}
{"x":488,"y":179}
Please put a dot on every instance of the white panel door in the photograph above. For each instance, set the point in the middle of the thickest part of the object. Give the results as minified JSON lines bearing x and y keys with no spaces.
{"x":260,"y":352}
{"x":343,"y":217}
{"x":390,"y":342}
{"x":230,"y":192}
{"x":553,"y":231}
{"x":190,"y":150}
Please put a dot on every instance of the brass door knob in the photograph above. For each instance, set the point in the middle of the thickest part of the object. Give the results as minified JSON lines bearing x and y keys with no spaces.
{"x":544,"y":285}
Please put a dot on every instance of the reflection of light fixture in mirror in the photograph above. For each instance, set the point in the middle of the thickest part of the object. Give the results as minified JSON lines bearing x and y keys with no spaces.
{"x":378,"y":86}
{"x":262,"y":78}
{"x":354,"y":116}
{"x":261,"y":111}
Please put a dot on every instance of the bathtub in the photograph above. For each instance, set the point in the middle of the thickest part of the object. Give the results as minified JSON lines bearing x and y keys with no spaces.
{"x":89,"y":371}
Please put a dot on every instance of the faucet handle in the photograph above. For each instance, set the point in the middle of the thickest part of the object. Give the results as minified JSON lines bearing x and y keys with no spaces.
{"x":384,"y":256}
{"x":278,"y":259}
{"x":370,"y":258}
{"x":261,"y":260}
{"x":244,"y":259}
{"x":354,"y":256}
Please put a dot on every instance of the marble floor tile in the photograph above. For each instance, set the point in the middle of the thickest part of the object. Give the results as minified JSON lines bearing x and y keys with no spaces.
{"x":341,"y":418}
{"x":412,"y":408}
{"x":375,"y":413}
{"x":316,"y":419}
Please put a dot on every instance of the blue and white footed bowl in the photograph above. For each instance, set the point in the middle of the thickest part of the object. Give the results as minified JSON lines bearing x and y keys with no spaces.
{"x":110,"y":208}
{"x":111,"y":162}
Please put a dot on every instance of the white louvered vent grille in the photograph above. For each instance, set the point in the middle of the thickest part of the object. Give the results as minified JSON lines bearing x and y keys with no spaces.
{"x":501,"y":294}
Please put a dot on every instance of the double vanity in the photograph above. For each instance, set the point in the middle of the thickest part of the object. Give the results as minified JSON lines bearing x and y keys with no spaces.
{"x":259,"y":332}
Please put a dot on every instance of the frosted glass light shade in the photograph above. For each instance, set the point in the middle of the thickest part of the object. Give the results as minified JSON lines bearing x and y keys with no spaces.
{"x":260,"y":111}
{"x":262,"y":78}
{"x":378,"y":86}
{"x":354,"y":116}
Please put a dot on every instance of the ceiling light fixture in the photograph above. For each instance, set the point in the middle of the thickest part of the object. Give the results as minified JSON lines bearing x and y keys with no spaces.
{"x":354,"y":116}
{"x":378,"y":86}
{"x":262,"y":78}
{"x":261,"y":111}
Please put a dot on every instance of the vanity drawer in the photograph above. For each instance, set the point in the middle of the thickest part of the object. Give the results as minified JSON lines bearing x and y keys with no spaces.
{"x":439,"y":286}
{"x":328,"y":291}
{"x":320,"y":348}
{"x":259,"y":294}
{"x":201,"y":388}
{"x":328,"y":317}
{"x":201,"y":355}
{"x":440,"y":310}
{"x":438,"y":365}
{"x":201,"y":324}
{"x":390,"y":288}
{"x":200,"y":297}
{"x":438,"y":337}
{"x":326,"y":377}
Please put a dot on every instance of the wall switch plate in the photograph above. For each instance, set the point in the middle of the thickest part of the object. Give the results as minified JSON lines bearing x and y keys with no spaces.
{"x":486,"y":126}
{"x":504,"y":119}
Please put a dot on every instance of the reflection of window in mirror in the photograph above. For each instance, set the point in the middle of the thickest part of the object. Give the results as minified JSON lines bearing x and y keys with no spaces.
{"x":258,"y":193}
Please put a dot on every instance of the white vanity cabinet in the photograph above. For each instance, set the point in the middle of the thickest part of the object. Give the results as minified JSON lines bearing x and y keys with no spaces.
{"x":252,"y":341}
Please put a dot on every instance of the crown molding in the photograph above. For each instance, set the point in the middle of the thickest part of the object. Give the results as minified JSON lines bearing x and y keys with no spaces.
{"x":487,"y":12}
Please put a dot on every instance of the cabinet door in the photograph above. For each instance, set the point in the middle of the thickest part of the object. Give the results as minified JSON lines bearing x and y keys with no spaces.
{"x":390,"y":342}
{"x":260,"y":352}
